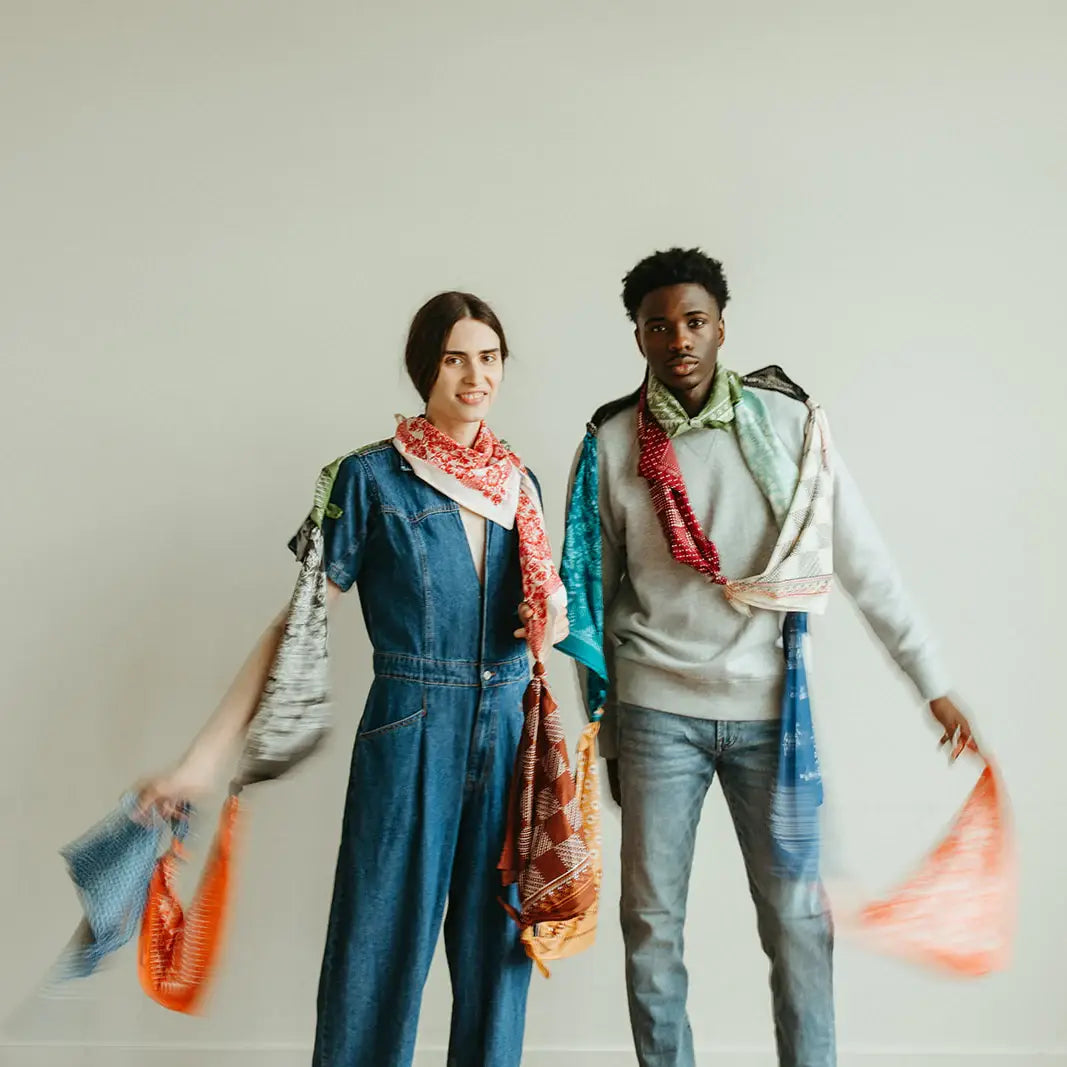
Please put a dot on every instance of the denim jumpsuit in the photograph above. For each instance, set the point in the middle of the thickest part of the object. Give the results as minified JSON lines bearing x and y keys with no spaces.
{"x":426,"y":807}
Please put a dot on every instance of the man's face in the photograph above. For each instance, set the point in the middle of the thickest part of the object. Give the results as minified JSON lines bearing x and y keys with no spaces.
{"x":679,"y":331}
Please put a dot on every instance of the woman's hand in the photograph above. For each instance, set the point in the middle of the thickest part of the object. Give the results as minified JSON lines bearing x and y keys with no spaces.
{"x":562,"y":628}
{"x":185,"y":784}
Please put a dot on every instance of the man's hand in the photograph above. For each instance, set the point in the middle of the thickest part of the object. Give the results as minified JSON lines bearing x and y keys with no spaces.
{"x":957,"y":729}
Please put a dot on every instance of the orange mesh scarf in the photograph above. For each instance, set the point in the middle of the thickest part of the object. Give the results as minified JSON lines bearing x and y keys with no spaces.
{"x":178,"y":948}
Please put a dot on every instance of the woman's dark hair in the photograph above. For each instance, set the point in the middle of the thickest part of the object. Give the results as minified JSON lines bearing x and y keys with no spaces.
{"x":429,"y":332}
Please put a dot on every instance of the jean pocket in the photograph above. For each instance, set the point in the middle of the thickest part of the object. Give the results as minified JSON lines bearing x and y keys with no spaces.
{"x":388,"y":728}
{"x":389,"y":708}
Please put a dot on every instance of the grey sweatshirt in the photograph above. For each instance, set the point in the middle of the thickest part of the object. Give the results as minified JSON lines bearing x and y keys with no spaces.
{"x":673,"y":643}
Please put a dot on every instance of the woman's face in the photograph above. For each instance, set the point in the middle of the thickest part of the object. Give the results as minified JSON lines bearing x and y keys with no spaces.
{"x":471,"y":370}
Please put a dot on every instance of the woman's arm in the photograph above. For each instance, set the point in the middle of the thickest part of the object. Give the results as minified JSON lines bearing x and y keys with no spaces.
{"x":199,"y":769}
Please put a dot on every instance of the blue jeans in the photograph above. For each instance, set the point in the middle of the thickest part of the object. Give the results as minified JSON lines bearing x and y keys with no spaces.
{"x":423,"y":828}
{"x":666,"y":764}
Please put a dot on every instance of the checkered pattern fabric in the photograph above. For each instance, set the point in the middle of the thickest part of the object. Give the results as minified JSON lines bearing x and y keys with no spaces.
{"x":558,"y":939}
{"x":546,"y":851}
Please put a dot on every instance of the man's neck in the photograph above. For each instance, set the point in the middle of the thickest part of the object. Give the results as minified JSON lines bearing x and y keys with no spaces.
{"x":693,"y":400}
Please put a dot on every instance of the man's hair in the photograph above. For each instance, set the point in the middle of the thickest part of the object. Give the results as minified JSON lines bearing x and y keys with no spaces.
{"x":676,"y":266}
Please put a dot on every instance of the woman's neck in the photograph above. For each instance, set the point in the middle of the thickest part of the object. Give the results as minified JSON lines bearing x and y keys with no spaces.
{"x":460,"y":430}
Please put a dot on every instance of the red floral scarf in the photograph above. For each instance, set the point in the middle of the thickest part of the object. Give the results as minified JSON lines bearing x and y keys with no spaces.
{"x":490,"y":480}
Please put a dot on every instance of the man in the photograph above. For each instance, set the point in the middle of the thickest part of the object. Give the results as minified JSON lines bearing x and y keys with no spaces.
{"x":683,"y":476}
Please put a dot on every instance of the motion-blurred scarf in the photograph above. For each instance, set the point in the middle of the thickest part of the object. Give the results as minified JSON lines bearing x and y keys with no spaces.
{"x":116,"y":866}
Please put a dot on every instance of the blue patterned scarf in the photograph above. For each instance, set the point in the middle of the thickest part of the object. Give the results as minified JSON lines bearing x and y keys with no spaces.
{"x":110,"y":866}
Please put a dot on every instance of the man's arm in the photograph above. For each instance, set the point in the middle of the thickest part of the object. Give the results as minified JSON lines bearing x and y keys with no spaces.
{"x":612,"y":569}
{"x":866,"y":569}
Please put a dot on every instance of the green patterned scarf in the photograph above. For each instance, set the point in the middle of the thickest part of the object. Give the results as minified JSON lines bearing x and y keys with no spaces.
{"x":716,"y":414}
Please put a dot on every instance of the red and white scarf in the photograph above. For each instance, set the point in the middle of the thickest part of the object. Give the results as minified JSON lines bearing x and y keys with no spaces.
{"x":658,"y":464}
{"x":490,"y":480}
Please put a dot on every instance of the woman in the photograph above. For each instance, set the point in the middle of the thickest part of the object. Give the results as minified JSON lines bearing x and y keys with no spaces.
{"x":429,"y":526}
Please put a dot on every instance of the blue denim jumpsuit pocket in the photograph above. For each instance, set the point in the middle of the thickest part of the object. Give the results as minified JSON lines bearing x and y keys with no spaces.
{"x":426,"y":807}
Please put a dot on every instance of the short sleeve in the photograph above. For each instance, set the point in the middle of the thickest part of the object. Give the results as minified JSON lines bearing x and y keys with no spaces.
{"x":344,"y":500}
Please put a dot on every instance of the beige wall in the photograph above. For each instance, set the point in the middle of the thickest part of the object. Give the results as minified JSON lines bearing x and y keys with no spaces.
{"x":211,"y":210}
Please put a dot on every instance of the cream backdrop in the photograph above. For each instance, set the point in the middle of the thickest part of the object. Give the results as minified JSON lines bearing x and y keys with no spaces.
{"x":217,"y":219}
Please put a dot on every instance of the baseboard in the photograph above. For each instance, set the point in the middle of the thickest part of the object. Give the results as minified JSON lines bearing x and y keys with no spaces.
{"x":72,"y":1055}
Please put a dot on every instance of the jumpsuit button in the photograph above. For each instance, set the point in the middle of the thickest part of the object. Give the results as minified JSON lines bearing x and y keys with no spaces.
{"x":486,"y":675}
